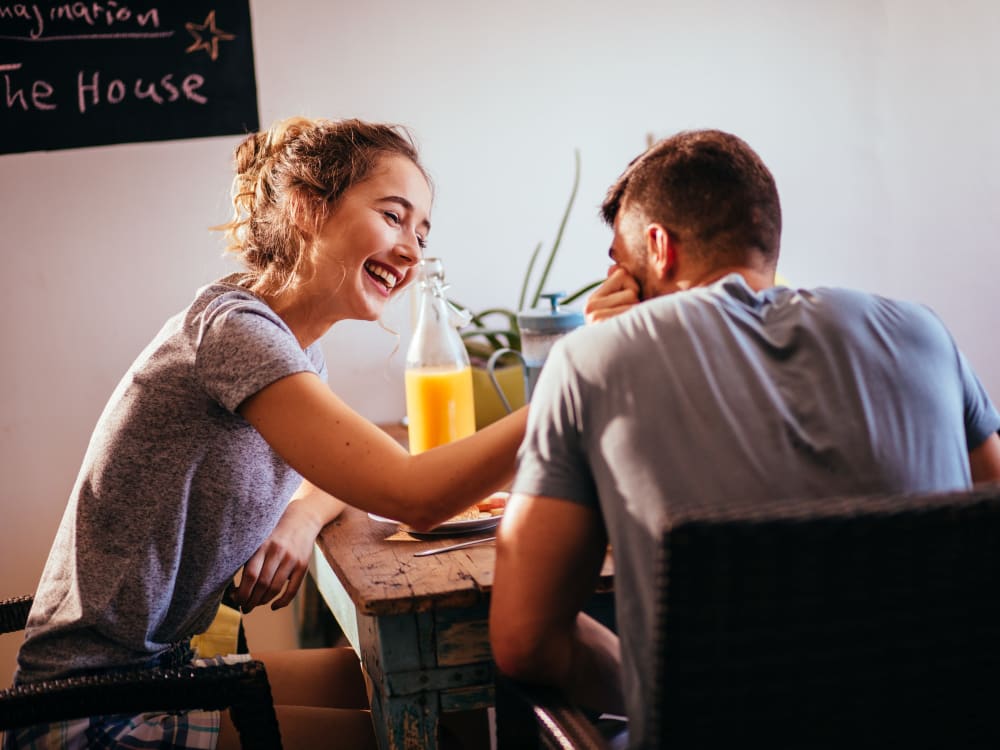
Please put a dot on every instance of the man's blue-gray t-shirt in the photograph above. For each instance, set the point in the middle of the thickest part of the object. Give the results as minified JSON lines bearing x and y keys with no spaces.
{"x":724,"y":392}
{"x":176,"y":492}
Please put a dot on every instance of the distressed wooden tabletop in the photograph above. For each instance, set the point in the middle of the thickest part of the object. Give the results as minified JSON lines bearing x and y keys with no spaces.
{"x":375,"y":564}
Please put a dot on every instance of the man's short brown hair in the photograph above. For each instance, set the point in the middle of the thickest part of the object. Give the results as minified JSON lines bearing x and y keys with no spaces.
{"x":707,"y":188}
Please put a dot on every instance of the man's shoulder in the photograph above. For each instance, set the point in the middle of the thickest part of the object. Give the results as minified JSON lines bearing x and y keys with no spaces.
{"x":839,"y":302}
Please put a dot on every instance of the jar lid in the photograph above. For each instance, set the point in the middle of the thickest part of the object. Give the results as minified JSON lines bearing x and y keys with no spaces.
{"x":552,"y":320}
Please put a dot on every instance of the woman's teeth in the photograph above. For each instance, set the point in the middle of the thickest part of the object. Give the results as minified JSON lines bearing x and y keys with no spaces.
{"x":387,"y":277}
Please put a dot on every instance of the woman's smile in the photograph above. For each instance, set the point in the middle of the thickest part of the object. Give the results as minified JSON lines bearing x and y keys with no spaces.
{"x":385,"y":278}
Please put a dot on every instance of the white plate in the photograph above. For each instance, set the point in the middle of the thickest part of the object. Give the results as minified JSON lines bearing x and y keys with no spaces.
{"x":450,"y":528}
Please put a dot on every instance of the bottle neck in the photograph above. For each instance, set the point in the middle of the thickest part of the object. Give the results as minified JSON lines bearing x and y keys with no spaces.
{"x":436,"y":341}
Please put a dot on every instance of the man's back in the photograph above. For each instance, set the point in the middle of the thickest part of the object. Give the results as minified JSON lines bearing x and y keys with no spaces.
{"x":794,"y":393}
{"x":727,"y":392}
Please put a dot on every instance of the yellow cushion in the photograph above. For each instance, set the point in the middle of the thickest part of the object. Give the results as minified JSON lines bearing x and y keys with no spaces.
{"x":221,"y":637}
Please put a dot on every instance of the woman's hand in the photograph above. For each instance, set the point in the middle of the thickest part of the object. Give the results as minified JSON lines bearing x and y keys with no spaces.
{"x":282,"y":560}
{"x":616,"y":294}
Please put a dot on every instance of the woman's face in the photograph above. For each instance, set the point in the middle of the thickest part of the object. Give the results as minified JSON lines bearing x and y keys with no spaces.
{"x":375,"y":234}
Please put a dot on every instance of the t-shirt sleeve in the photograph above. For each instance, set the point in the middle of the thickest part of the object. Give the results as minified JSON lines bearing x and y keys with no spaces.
{"x":981,"y":416}
{"x":552,"y":460}
{"x":244,"y":346}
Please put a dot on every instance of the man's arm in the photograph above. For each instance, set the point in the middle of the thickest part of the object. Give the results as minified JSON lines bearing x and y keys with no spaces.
{"x":985,"y":461}
{"x":549,"y":556}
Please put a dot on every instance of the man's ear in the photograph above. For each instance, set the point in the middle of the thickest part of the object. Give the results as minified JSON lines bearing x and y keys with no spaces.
{"x":661,"y":251}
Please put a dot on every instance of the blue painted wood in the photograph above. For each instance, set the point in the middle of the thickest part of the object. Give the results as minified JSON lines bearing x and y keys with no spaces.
{"x":405,"y":723}
{"x":442,"y":678}
{"x":465,"y":699}
{"x":463,"y":636}
{"x":406,"y":641}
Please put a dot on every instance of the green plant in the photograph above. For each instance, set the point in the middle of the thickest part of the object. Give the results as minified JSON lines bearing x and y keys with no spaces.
{"x":496,"y":327}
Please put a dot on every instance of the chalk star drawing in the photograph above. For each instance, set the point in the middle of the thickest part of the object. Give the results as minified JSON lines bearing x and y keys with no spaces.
{"x":210,"y":46}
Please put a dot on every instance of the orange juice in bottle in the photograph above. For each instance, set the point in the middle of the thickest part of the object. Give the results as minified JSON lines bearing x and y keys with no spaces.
{"x":439,"y":404}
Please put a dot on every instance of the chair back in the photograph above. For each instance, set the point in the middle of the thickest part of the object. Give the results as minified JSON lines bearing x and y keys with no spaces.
{"x":832,"y":623}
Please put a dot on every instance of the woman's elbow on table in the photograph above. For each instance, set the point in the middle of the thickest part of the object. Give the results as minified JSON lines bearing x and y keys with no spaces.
{"x":418,"y":510}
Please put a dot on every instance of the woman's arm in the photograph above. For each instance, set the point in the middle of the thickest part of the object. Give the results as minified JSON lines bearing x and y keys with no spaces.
{"x":348,"y":457}
{"x":282,"y":561}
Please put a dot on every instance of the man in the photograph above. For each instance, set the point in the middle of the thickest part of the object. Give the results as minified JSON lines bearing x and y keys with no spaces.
{"x":707,"y":380}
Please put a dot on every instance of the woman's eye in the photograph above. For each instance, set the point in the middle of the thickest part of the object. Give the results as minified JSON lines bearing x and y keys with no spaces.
{"x":391,"y":216}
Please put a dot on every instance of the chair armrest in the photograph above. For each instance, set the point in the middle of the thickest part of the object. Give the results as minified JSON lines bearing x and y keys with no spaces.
{"x":242,"y":687}
{"x":14,"y":613}
{"x":532,"y":716}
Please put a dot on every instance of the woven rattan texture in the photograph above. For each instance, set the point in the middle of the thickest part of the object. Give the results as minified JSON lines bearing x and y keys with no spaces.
{"x":857,"y":622}
{"x":14,"y":613}
{"x":242,"y":687}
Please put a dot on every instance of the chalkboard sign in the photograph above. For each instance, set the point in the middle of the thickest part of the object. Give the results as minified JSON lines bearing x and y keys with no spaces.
{"x":92,"y":73}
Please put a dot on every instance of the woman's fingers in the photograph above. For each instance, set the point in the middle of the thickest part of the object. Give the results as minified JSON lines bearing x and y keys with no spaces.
{"x":294,"y":582}
{"x":264,"y":577}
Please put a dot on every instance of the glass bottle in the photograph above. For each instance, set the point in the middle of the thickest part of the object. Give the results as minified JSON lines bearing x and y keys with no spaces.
{"x":439,"y":403}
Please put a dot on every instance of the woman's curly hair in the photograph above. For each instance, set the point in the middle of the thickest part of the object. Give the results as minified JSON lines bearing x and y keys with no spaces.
{"x":287,"y":179}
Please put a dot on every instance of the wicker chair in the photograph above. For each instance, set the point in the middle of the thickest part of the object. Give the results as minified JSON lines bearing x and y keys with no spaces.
{"x":242,"y":688}
{"x":857,"y":622}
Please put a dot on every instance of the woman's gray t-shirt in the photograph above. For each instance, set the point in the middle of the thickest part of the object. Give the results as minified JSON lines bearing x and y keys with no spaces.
{"x":175,"y":493}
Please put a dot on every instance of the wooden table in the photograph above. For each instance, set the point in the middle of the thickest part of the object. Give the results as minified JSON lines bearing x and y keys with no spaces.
{"x":419,"y":623}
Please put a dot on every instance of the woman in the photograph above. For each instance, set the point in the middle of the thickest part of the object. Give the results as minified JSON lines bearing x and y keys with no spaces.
{"x":191,"y":466}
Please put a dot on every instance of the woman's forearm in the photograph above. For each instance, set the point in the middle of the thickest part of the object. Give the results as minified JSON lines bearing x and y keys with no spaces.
{"x":469,"y":468}
{"x":348,"y":457}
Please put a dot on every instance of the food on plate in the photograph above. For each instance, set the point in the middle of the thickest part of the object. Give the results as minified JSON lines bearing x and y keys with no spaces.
{"x":486,"y":508}
{"x":494,"y":504}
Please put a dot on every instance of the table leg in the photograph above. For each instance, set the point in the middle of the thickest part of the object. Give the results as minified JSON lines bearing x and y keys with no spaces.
{"x":402,"y":724}
{"x":397,"y":650}
{"x":419,"y":666}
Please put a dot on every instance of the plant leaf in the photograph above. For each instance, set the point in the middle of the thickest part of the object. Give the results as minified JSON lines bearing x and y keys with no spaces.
{"x":487,"y":332}
{"x":489,"y":339}
{"x":478,"y":318}
{"x":479,"y":350}
{"x":580,"y":292}
{"x":527,"y":276}
{"x":562,"y":227}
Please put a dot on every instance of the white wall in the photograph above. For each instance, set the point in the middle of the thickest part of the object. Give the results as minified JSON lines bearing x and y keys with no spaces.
{"x":878,"y":118}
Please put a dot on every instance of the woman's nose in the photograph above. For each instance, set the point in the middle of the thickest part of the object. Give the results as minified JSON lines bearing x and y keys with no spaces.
{"x":409,"y":252}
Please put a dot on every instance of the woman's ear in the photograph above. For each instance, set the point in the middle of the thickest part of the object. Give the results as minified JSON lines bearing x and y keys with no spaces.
{"x":305,"y":214}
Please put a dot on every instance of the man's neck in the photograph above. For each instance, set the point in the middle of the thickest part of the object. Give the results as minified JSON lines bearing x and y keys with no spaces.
{"x":755,"y":278}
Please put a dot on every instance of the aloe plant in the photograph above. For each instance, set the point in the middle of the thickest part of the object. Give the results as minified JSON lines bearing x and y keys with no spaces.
{"x":496,"y":328}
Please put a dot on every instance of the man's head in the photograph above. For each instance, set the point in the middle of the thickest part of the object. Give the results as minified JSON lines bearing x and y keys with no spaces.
{"x":692,"y":206}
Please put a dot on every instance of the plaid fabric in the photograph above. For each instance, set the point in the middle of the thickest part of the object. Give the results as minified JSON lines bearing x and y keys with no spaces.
{"x":190,"y":729}
{"x":186,"y":729}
